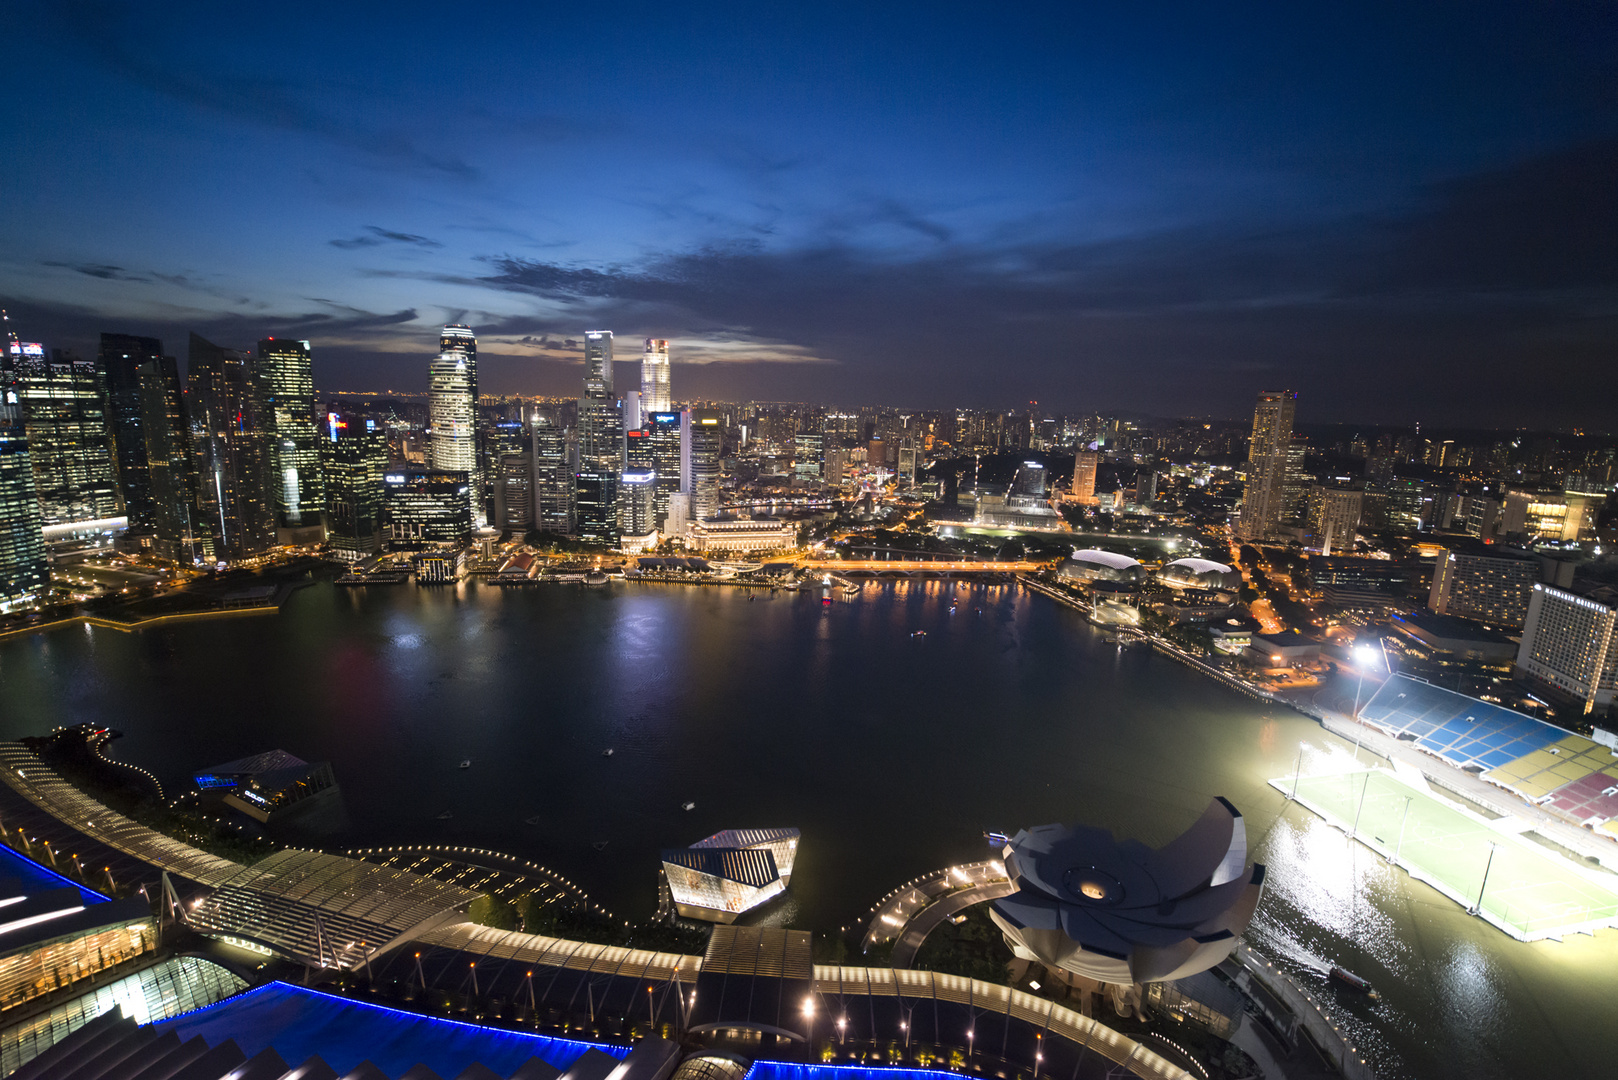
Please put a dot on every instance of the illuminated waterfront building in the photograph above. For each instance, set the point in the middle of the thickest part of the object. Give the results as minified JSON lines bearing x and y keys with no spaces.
{"x":1489,"y":584}
{"x":741,"y":536}
{"x":1567,"y":645}
{"x":427,"y":507}
{"x":1264,"y":497}
{"x":294,"y":443}
{"x":1093,"y":565}
{"x":355,"y":460}
{"x":730,"y":873}
{"x":68,"y":442}
{"x":637,"y":510}
{"x":701,"y":437}
{"x":121,"y":358}
{"x":654,"y":377}
{"x":601,"y":446}
{"x":24,"y":577}
{"x":227,"y":410}
{"x":1199,"y":574}
{"x":1121,"y":913}
{"x":180,"y":530}
{"x":553,"y":477}
{"x":452,"y":396}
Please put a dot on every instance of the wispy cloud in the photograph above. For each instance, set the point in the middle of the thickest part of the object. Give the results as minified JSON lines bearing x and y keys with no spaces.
{"x":375,"y":236}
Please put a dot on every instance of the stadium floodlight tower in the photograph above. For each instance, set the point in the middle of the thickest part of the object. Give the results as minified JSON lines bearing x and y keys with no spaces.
{"x":1119,"y":912}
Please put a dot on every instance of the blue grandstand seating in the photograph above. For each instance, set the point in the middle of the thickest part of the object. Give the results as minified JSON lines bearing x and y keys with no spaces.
{"x":1464,"y":730}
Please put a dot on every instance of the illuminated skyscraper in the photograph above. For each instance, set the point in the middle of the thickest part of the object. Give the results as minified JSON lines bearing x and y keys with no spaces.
{"x":1264,"y":498}
{"x":229,"y":438}
{"x":663,"y":438}
{"x":637,"y":525}
{"x":452,"y":397}
{"x":355,"y":460}
{"x":64,"y":403}
{"x":294,"y":443}
{"x":654,"y":377}
{"x":553,"y":477}
{"x":24,"y":578}
{"x":181,"y":532}
{"x":121,"y":358}
{"x":601,"y":446}
{"x":701,"y":435}
{"x":1084,"y":477}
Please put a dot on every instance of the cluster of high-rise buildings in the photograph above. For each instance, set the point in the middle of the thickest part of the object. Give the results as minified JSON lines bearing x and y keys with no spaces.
{"x":234,"y":457}
{"x":218,"y":467}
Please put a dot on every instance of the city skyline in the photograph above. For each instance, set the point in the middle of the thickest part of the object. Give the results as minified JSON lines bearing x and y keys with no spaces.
{"x":1132,"y":212}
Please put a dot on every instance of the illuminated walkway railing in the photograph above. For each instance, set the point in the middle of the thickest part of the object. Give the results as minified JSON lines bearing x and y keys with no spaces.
{"x":1051,"y":1019}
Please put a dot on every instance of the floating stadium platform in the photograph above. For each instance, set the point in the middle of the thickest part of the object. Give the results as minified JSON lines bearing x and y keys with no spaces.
{"x":1485,"y":866}
{"x":1544,"y":764}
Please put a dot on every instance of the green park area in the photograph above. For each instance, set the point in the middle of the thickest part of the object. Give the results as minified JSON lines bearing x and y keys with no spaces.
{"x":1530,"y":891}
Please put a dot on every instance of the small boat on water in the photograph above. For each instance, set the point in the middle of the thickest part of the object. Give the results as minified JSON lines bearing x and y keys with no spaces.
{"x":688,"y":806}
{"x":607,"y":752}
{"x":600,"y":845}
{"x":918,"y":633}
{"x":535,"y":820}
{"x":1352,"y":981}
{"x":467,"y":764}
{"x":446,"y":815}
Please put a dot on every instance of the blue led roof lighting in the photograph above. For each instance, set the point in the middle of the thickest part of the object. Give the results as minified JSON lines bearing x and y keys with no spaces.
{"x":299,"y":1023}
{"x":37,"y":877}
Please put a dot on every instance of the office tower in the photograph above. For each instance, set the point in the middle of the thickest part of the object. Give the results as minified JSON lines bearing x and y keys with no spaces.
{"x":907,"y":464}
{"x":24,"y":576}
{"x":1334,"y":518}
{"x":514,"y":493}
{"x":678,"y":523}
{"x":632,"y":411}
{"x":452,"y":396}
{"x":808,"y":456}
{"x":1264,"y":498}
{"x":1489,"y":584}
{"x":836,"y":462}
{"x":354,"y":460}
{"x":654,"y":377}
{"x":553,"y":477}
{"x":1567,"y":644}
{"x":120,"y":358}
{"x":289,"y":386}
{"x":637,"y":521}
{"x":426,"y":508}
{"x":228,"y":415}
{"x":663,"y":442}
{"x":701,"y":437}
{"x":68,"y":443}
{"x":180,"y":531}
{"x":1482,"y":514}
{"x":601,"y":446}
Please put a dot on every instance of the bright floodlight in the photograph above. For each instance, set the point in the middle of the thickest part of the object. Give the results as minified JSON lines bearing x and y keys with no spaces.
{"x":1119,"y":912}
{"x":1366,"y":654}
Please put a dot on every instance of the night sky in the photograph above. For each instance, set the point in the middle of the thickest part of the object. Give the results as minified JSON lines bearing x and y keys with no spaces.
{"x":1406,"y":212}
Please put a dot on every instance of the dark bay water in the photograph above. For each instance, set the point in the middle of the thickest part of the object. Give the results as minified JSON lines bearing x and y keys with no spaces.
{"x":892,"y":752}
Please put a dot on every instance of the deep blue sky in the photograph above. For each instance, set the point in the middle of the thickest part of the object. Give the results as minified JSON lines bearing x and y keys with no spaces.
{"x":1406,"y":212}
